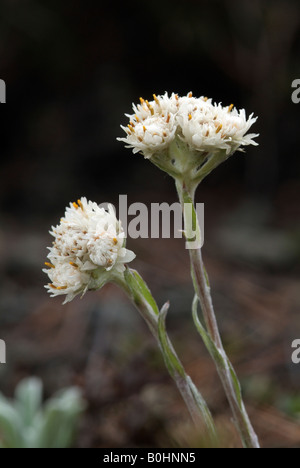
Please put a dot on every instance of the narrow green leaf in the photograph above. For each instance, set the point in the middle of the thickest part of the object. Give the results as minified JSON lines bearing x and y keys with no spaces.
{"x":216,"y":354}
{"x":210,"y":345}
{"x":206,"y":277}
{"x":60,"y":419}
{"x":138,"y":287}
{"x":10,"y":425}
{"x":28,"y":399}
{"x":202,"y":405}
{"x":171,"y":360}
{"x":191,"y":224}
{"x":236,"y":383}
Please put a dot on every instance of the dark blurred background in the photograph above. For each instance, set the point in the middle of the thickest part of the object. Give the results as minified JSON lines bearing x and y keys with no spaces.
{"x":72,"y":70}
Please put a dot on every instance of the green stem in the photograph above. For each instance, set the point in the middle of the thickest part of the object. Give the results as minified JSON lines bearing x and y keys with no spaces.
{"x":212,"y":338}
{"x":138,"y":292}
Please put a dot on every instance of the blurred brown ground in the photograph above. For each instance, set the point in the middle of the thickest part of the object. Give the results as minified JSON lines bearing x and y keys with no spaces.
{"x":101,"y":344}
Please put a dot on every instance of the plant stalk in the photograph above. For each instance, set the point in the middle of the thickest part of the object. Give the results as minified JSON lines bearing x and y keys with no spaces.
{"x":139,"y":294}
{"x":213,"y":341}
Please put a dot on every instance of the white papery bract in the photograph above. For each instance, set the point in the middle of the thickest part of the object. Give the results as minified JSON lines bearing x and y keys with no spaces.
{"x":88,"y":250}
{"x":196,"y":125}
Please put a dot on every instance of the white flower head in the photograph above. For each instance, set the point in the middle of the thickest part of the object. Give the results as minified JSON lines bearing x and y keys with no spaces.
{"x":210,"y":128}
{"x":88,"y":249}
{"x":203,"y":127}
{"x":152,"y":126}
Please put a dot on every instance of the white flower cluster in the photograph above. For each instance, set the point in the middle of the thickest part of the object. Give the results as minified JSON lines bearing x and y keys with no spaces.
{"x":198,"y":122}
{"x":88,"y":239}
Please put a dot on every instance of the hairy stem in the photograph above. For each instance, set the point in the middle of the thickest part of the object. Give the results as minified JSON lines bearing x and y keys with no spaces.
{"x":213,"y":339}
{"x":137,"y":291}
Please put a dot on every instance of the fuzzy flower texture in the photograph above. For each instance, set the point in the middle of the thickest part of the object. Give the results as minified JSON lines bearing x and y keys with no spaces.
{"x":88,"y":250}
{"x":197,"y":123}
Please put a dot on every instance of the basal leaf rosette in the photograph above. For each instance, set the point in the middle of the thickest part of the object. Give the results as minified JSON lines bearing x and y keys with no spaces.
{"x":186,"y":136}
{"x":88,"y":250}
